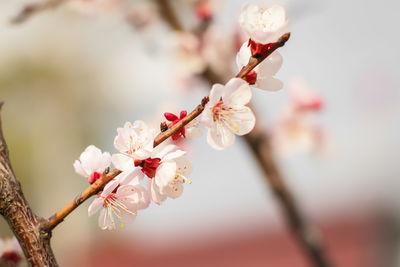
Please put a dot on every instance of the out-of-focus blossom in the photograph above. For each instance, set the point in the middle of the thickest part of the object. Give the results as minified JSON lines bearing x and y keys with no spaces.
{"x":263,"y":25}
{"x":262,"y":75}
{"x":143,"y":15}
{"x":297,"y":129}
{"x":92,"y":163}
{"x":218,"y":51}
{"x":10,"y":251}
{"x":191,"y":130}
{"x":187,"y":56}
{"x":204,"y":10}
{"x":226,"y":114}
{"x":119,"y":204}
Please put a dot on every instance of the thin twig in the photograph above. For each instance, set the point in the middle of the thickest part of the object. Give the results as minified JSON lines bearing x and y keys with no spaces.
{"x":106,"y":177}
{"x":31,"y":9}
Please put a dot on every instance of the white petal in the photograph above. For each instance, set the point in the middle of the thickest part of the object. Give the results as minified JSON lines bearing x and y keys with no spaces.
{"x":165,"y":150}
{"x":207,"y":116}
{"x":95,"y":206}
{"x":110,"y":186}
{"x":237,"y":93}
{"x":215,"y":95}
{"x":165,"y":173}
{"x":242,"y":121}
{"x":243,"y":56}
{"x":78,"y":169}
{"x":220,"y":137}
{"x":154,"y":192}
{"x":132,"y":177}
{"x":173,"y":190}
{"x":270,"y":66}
{"x":90,"y":159}
{"x":269,"y":84}
{"x":105,"y":162}
{"x":184,"y":166}
{"x":122,"y":162}
{"x":106,"y":220}
{"x":194,"y":132}
{"x":142,"y":154}
{"x":174,"y":155}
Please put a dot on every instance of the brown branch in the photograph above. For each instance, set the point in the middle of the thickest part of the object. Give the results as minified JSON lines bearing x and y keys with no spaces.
{"x":259,"y":143}
{"x":168,"y":14}
{"x":31,"y":9}
{"x":25,"y":225}
{"x":254,"y":61}
{"x":94,"y":188}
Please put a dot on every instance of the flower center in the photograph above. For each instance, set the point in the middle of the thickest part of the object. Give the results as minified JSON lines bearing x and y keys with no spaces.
{"x":217,"y":109}
{"x":149,"y":166}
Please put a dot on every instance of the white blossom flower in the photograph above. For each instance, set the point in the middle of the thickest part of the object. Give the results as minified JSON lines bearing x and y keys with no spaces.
{"x":170,"y":175}
{"x":10,"y":251}
{"x":264,"y":72}
{"x":135,"y":143}
{"x":297,"y":129}
{"x":92,"y":163}
{"x":226,"y":114}
{"x":135,"y":140}
{"x":120,"y":204}
{"x":167,"y":170}
{"x":263,"y":25}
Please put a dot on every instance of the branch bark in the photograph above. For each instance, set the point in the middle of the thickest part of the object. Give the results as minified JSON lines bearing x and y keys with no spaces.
{"x":26,"y":226}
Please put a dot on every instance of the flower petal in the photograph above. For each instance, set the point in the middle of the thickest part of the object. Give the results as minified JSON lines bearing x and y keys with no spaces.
{"x":95,"y":206}
{"x":122,"y":162}
{"x":78,"y":169}
{"x":237,"y":93}
{"x":220,"y":137}
{"x":242,"y":121}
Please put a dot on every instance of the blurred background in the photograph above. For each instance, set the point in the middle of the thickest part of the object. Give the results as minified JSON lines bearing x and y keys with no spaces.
{"x":70,"y":76}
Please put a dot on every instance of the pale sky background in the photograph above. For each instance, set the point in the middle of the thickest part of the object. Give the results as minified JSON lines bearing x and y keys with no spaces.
{"x":348,"y":51}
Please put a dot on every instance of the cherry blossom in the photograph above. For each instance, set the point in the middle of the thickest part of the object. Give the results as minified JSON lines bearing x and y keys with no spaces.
{"x":10,"y":251}
{"x":135,"y":143}
{"x":119,"y":204}
{"x":191,"y":130}
{"x":263,"y":25}
{"x":226,"y":114}
{"x":262,"y":75}
{"x":92,"y":163}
